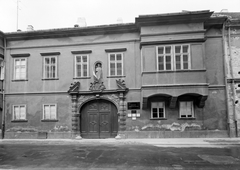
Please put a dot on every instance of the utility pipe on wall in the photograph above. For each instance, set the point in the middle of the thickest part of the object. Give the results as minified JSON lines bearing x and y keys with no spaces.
{"x":233,"y":82}
{"x":225,"y":77}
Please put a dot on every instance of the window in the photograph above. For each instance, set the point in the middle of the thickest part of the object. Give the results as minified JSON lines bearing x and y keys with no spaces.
{"x":19,"y":112}
{"x":81,"y":66}
{"x":20,"y":68}
{"x":173,"y":57}
{"x":1,"y":69}
{"x":50,"y":67}
{"x":165,"y":58}
{"x":116,"y":64}
{"x":157,"y":110}
{"x":186,"y":109}
{"x":49,"y":112}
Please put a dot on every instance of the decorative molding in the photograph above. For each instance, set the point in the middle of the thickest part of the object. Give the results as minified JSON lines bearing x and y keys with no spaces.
{"x":76,"y":44}
{"x":17,"y":80}
{"x":174,"y":33}
{"x":174,"y":71}
{"x":173,"y":102}
{"x":82,"y":52}
{"x":116,"y":76}
{"x":172,"y":41}
{"x":74,"y":87}
{"x":114,"y":98}
{"x":72,"y":32}
{"x":202,"y":100}
{"x":20,"y":55}
{"x":115,"y":50}
{"x":177,"y":85}
{"x":97,"y":86}
{"x":49,"y":120}
{"x":121,"y":84}
{"x":50,"y":53}
{"x":83,"y":98}
{"x":81,"y":77}
{"x":37,"y":93}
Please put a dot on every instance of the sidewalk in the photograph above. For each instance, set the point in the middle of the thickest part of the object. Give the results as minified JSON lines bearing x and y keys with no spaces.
{"x":167,"y":142}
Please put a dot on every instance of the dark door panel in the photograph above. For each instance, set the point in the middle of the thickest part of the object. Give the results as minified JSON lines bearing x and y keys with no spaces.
{"x":98,"y":120}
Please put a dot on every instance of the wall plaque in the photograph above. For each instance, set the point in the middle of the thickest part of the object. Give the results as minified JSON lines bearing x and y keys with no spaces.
{"x":133,"y":105}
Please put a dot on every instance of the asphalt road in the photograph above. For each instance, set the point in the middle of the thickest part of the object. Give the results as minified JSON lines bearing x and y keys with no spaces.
{"x":118,"y":155}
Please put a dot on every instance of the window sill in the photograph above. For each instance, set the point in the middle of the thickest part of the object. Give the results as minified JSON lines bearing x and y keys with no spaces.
{"x":115,"y":76}
{"x":158,"y":119}
{"x":82,"y":78}
{"x":187,"y":118}
{"x":19,"y":80}
{"x":49,"y":120}
{"x":50,"y":79}
{"x":174,"y":71}
{"x":19,"y":121}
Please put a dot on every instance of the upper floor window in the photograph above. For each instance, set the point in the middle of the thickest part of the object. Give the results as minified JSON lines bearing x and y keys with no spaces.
{"x":157,"y":110}
{"x":173,"y":57}
{"x":116,"y":64}
{"x":19,"y":112}
{"x":50,"y":67}
{"x":20,"y":68}
{"x":81,"y":66}
{"x":186,"y":109}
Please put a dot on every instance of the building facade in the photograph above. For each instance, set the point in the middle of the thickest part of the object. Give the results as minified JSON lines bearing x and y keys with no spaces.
{"x":1,"y":81}
{"x":232,"y":58}
{"x":160,"y":77}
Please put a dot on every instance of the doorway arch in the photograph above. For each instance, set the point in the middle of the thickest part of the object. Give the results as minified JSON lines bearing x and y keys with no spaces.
{"x":98,"y":119}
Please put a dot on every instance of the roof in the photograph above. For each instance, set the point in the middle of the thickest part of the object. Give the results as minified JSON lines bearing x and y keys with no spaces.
{"x":75,"y":31}
{"x":173,"y":18}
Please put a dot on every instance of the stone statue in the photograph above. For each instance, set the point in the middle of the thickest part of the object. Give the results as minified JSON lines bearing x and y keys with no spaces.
{"x":98,"y":71}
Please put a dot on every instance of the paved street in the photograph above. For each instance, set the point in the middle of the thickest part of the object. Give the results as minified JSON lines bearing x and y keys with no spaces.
{"x":118,"y":154}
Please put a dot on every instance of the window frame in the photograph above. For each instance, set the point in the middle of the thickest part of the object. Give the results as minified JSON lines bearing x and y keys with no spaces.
{"x":43,"y":112}
{"x":173,"y":57}
{"x":75,"y":66}
{"x":192,"y":109}
{"x":109,"y":64}
{"x":56,"y":68}
{"x":13,"y":112}
{"x":14,"y":68}
{"x":164,"y":110}
{"x":2,"y":69}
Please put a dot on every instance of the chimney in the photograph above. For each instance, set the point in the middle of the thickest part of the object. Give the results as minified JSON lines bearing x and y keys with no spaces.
{"x":224,"y":10}
{"x":30,"y":28}
{"x":119,"y":20}
{"x":81,"y":22}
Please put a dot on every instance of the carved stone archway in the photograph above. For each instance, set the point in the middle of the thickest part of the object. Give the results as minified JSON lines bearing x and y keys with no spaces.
{"x":79,"y":98}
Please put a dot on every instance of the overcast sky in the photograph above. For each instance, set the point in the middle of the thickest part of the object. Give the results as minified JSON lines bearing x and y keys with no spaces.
{"x":49,"y":14}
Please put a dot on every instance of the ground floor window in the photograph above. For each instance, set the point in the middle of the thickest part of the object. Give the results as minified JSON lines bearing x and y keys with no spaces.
{"x":186,"y":109}
{"x":19,"y":112}
{"x":49,"y":112}
{"x":157,"y":110}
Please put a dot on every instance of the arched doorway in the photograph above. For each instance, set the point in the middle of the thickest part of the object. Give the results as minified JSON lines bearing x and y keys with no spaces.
{"x":99,"y":119}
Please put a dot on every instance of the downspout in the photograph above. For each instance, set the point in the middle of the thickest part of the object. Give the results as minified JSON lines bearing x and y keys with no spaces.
{"x":225,"y":78}
{"x":3,"y":87}
{"x":233,"y":81}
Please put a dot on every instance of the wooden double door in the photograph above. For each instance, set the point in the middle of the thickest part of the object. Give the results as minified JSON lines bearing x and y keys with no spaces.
{"x":98,"y":119}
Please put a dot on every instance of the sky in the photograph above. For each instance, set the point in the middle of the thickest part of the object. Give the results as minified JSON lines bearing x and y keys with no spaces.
{"x":51,"y":14}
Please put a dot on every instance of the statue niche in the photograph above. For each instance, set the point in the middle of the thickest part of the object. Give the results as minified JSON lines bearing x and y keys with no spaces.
{"x":97,"y":77}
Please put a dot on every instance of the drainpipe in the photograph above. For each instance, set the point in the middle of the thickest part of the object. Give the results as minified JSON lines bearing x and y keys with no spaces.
{"x":225,"y":78}
{"x":233,"y":81}
{"x":3,"y":87}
